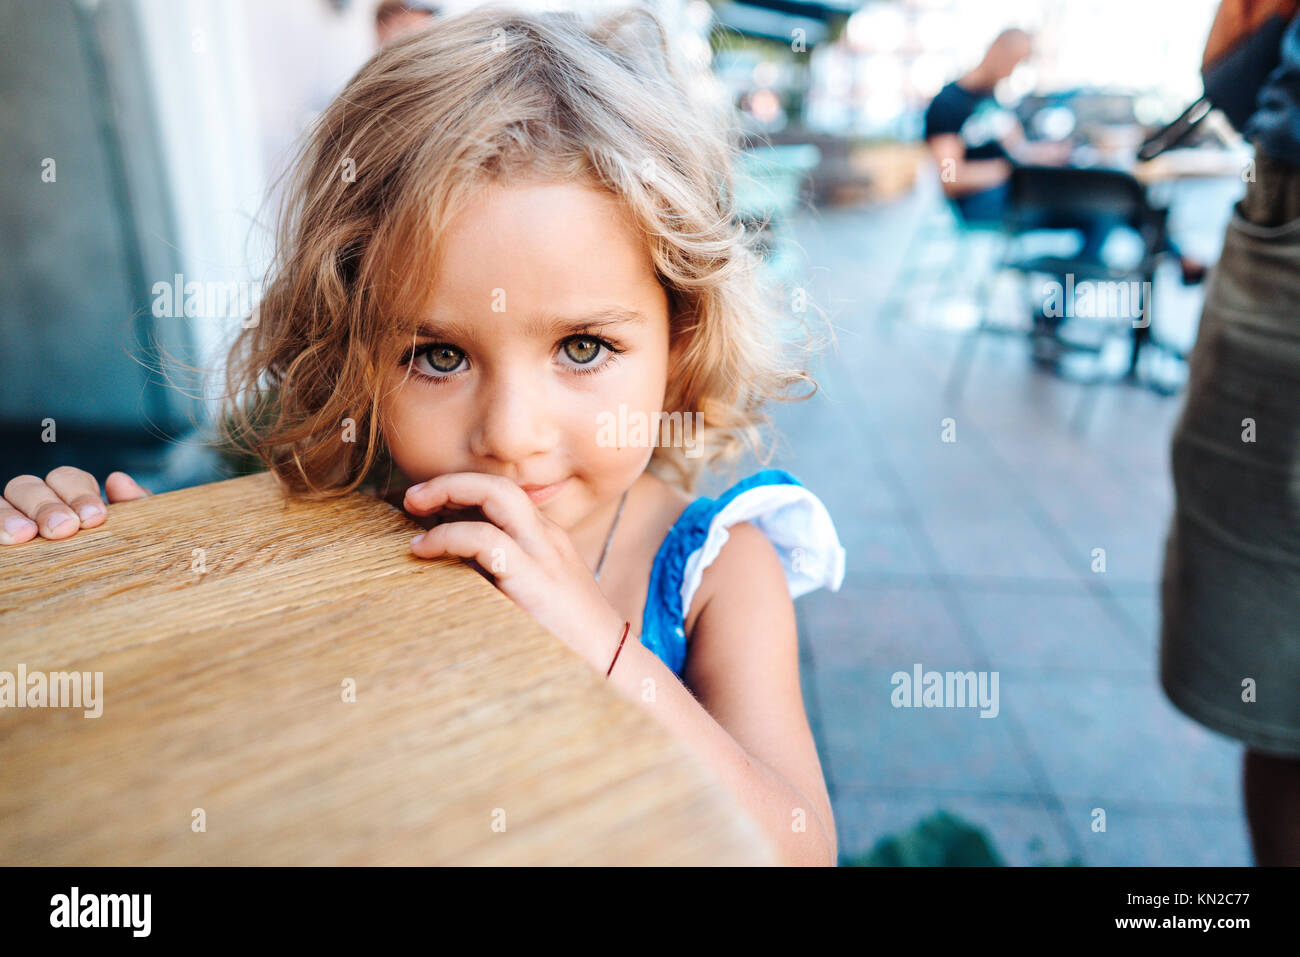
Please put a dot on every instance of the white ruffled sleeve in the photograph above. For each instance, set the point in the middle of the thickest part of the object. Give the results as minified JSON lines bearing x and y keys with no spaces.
{"x":797,"y":524}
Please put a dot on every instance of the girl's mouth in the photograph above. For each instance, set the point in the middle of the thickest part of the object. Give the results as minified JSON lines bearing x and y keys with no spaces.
{"x":541,"y":493}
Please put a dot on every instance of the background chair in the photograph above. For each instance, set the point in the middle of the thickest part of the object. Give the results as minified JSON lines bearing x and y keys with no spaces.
{"x":1096,"y":201}
{"x":939,"y":257}
{"x":769,"y":186}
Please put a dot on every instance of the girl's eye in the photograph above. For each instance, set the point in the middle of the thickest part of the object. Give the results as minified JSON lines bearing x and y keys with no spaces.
{"x":582,"y":349}
{"x":443,"y":359}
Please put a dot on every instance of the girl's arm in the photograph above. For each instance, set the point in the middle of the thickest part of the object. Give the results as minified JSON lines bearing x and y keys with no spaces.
{"x":745,"y":717}
{"x":747,"y":723}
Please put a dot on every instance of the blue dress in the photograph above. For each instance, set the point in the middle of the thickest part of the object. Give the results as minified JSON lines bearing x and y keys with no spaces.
{"x":792,"y":517}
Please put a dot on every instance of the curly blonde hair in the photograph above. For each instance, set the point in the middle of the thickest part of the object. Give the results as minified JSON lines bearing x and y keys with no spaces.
{"x":499,"y":95}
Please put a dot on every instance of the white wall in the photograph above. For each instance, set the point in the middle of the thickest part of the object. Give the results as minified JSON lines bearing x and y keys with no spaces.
{"x":196,"y":58}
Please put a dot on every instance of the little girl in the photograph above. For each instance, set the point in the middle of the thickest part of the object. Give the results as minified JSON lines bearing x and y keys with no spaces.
{"x":508,"y":232}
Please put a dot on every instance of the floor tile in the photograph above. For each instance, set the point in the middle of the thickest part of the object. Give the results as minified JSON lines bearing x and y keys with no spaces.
{"x":884,"y":626}
{"x":869,"y":742}
{"x":1114,"y":740}
{"x":1065,"y":632}
{"x":1160,"y":837}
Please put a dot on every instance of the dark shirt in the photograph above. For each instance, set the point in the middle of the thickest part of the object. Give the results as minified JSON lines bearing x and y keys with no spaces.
{"x":949,"y":112}
{"x":1274,"y":127}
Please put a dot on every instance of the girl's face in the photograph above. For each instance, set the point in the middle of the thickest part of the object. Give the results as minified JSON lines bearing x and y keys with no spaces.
{"x":547,"y":313}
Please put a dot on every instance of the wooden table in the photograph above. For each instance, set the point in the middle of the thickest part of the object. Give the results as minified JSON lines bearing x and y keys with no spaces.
{"x":227,"y":622}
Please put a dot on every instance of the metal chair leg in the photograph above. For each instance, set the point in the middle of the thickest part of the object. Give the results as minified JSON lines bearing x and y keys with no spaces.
{"x":961,"y":365}
{"x":917,"y":244}
{"x":965,"y":359}
{"x":1141,"y":333}
{"x":1087,"y":402}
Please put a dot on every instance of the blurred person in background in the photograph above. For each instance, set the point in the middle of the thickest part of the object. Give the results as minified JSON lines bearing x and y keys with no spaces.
{"x":1230,"y":632}
{"x":976,"y":143}
{"x":973,"y":140}
{"x":396,"y":18}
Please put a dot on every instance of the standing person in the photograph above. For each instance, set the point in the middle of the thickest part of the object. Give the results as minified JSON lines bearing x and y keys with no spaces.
{"x":1230,"y":634}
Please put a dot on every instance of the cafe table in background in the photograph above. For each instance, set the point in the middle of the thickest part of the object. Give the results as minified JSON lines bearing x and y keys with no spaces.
{"x":284,"y":683}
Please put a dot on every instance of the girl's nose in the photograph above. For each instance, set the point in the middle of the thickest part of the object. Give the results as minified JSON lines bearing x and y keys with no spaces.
{"x":513,"y":421}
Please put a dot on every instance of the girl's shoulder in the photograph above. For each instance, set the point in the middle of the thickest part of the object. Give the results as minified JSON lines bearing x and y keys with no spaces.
{"x":775,"y":504}
{"x":770,"y":508}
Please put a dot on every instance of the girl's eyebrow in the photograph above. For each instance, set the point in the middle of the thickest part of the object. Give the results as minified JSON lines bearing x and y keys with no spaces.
{"x":541,"y":327}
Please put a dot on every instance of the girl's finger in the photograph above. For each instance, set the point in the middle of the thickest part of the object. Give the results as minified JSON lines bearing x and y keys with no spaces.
{"x":120,"y":487}
{"x":80,"y":490}
{"x":15,"y":527}
{"x":502,"y":502}
{"x":29,"y":495}
{"x":495,"y":551}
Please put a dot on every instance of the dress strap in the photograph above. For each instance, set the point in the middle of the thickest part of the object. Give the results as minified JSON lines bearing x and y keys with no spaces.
{"x":789,"y":514}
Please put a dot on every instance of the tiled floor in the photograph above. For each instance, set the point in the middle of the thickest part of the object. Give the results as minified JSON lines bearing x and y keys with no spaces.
{"x":980,"y":553}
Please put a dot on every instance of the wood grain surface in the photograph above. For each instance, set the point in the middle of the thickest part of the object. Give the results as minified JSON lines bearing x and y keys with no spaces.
{"x":226,"y":619}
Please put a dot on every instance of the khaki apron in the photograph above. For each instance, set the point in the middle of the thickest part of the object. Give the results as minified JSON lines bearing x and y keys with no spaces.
{"x":1230,"y":634}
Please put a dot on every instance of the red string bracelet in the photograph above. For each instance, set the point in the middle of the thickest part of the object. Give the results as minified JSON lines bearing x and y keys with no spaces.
{"x":627,"y":625}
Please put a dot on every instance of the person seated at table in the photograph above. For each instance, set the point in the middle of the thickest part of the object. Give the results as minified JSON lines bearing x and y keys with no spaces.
{"x":976,"y":144}
{"x":973,"y":140}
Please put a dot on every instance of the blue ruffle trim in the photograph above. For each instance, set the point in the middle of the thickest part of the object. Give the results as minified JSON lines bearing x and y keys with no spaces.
{"x":663,"y":621}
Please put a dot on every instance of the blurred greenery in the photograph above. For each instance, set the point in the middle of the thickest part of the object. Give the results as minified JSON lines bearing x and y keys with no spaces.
{"x":940,"y":840}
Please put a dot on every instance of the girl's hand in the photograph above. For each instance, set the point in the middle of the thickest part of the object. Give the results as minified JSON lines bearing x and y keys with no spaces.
{"x":61,"y":505}
{"x":529,"y":557}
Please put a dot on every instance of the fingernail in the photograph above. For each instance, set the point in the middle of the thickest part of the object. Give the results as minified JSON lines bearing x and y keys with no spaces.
{"x":17,"y":524}
{"x":87,"y":512}
{"x":415,"y":488}
{"x":417,"y":538}
{"x":59,"y":520}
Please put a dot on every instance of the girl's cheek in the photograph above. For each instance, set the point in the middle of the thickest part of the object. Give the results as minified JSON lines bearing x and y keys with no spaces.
{"x":415,"y":447}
